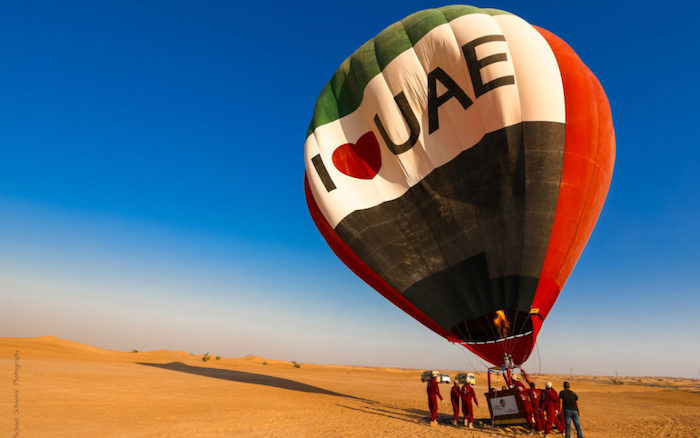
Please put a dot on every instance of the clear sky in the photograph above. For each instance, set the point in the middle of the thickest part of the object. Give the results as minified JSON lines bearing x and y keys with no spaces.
{"x":151,"y":185}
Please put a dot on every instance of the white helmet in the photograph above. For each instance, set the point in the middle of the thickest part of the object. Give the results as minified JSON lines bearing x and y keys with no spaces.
{"x":548,"y":385}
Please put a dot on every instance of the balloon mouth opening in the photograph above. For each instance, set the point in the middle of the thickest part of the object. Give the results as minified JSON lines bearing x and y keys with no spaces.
{"x":494,"y":327}
{"x":497,"y":340}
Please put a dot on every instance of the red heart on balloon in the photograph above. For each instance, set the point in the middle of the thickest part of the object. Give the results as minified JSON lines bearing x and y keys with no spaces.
{"x":359,"y":160}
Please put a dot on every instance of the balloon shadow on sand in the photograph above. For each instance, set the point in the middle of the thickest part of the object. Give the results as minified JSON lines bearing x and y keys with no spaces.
{"x":246,"y":377}
{"x":388,"y":411}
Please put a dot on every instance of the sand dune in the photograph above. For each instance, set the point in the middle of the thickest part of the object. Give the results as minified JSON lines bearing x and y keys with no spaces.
{"x":54,"y":388}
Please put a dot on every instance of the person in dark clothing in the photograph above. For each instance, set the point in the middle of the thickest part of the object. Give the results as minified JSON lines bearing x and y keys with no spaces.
{"x":569,"y":405}
{"x":468,"y":395}
{"x":536,"y":397}
{"x":433,"y":394}
{"x":455,"y":395}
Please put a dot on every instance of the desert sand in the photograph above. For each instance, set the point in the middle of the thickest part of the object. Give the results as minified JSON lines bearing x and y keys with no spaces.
{"x":57,"y":388}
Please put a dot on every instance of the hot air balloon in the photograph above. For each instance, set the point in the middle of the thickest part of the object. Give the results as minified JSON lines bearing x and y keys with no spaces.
{"x":457,"y":162}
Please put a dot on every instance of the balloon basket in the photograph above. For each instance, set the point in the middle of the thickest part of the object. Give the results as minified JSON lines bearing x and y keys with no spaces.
{"x":505,"y":407}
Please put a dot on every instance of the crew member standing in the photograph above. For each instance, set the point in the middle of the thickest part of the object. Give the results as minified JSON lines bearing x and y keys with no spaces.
{"x":527,"y":406}
{"x":455,"y":395}
{"x":433,"y":394}
{"x":569,"y":405}
{"x":468,"y":395}
{"x":550,"y":404}
{"x":535,"y":398}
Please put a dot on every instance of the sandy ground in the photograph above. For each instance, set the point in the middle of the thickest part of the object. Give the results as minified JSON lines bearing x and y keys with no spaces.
{"x":54,"y":388}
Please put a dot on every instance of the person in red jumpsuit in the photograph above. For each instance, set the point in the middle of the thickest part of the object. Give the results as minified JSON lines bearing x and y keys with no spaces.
{"x":455,"y":395}
{"x":433,"y":394}
{"x":550,"y":404}
{"x":518,"y":384}
{"x":536,"y":397}
{"x":468,"y":395}
{"x":527,"y":406}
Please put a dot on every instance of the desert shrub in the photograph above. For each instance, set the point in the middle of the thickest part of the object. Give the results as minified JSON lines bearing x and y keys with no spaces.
{"x":218,"y":357}
{"x":134,"y":351}
{"x":264,"y":363}
{"x":296,"y":364}
{"x":206,"y":357}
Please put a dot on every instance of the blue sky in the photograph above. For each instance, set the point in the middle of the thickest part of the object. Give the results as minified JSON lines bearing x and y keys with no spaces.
{"x":151,"y":168}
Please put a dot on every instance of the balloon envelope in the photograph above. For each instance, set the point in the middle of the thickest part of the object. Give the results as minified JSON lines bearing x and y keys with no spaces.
{"x":458,"y":162}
